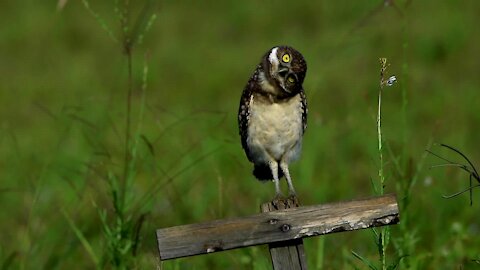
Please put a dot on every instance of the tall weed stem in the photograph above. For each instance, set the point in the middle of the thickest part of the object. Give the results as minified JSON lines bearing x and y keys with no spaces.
{"x":382,"y":237}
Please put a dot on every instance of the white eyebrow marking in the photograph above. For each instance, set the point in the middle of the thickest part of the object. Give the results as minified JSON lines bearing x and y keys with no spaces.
{"x":273,"y":57}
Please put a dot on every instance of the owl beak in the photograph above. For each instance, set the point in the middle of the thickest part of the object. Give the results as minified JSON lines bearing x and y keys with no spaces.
{"x":283,"y":72}
{"x":282,"y":75}
{"x":285,"y":76}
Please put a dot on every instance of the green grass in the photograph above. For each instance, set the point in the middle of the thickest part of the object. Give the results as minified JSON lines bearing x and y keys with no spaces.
{"x":63,"y":127}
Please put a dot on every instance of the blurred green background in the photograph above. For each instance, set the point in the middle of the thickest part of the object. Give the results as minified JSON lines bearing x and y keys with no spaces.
{"x":63,"y":108}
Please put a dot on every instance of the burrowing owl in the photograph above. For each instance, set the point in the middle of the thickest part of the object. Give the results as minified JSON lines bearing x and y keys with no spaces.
{"x":273,"y":115}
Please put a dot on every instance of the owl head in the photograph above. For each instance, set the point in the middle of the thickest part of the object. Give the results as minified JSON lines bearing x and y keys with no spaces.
{"x":285,"y":68}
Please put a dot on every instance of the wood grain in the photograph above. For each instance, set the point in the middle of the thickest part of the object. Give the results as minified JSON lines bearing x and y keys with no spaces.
{"x":276,"y":226}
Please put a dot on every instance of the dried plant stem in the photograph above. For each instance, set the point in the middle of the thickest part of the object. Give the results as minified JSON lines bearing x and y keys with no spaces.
{"x":383,"y":62}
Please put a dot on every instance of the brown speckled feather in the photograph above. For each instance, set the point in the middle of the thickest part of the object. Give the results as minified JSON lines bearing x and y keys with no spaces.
{"x":304,"y":109}
{"x":244,"y":110}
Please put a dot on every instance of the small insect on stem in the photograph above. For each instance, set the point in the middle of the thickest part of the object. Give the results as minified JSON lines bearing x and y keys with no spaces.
{"x":391,"y":80}
{"x":470,"y":169}
{"x":383,"y":68}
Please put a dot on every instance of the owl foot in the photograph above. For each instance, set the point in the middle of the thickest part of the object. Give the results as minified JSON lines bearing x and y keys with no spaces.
{"x":278,"y":201}
{"x":292,"y":200}
{"x":281,"y":202}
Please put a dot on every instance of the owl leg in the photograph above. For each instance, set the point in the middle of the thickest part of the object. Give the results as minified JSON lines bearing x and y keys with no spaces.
{"x":274,"y":168}
{"x":286,"y":172}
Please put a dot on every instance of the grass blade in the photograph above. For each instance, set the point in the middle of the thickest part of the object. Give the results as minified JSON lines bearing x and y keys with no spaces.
{"x":364,"y":260}
{"x":82,"y":239}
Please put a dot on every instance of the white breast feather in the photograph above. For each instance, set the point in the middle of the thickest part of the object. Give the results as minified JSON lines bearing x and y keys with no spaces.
{"x":275,"y":130}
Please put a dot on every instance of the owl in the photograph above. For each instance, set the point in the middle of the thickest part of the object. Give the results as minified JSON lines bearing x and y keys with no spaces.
{"x":272,"y":116}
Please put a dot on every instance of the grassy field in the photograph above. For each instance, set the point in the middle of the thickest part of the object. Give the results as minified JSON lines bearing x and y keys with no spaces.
{"x":70,"y":199}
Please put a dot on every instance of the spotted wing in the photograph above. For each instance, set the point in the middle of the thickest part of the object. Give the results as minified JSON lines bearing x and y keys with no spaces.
{"x":304,"y":110}
{"x":244,"y":114}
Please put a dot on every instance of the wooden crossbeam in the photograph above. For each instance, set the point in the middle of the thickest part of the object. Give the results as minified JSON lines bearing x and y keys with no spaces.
{"x":276,"y":226}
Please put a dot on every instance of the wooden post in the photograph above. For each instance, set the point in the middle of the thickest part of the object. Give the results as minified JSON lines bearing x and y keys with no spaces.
{"x":288,"y":254}
{"x":291,"y":224}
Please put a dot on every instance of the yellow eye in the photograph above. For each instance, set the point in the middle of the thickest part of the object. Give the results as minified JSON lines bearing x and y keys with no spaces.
{"x":286,"y":58}
{"x":290,"y":79}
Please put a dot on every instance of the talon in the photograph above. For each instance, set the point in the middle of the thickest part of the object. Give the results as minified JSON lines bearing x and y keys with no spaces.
{"x":293,"y":200}
{"x":277,"y":201}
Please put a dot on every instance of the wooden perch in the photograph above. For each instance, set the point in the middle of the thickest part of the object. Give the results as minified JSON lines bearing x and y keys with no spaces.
{"x":276,"y":226}
{"x":288,"y":255}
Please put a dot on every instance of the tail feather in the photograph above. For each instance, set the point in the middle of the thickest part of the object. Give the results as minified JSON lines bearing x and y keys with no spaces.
{"x":263,"y":173}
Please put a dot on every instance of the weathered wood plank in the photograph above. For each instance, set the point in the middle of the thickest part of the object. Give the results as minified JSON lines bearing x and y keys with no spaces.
{"x":289,"y":255}
{"x":276,"y":226}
